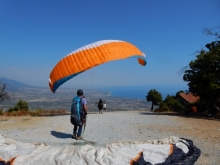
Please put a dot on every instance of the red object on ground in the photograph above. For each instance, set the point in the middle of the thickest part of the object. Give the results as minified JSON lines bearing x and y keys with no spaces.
{"x":194,"y":109}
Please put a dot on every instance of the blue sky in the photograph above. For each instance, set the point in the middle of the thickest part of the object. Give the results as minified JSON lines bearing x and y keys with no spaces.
{"x":35,"y":35}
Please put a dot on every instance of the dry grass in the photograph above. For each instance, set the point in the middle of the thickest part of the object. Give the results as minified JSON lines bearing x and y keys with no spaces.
{"x":20,"y":122}
{"x":38,"y":112}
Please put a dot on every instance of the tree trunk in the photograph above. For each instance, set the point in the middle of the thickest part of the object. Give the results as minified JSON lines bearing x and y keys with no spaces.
{"x":152,"y":107}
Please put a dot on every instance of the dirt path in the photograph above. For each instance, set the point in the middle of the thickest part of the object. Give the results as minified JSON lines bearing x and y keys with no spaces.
{"x":110,"y":127}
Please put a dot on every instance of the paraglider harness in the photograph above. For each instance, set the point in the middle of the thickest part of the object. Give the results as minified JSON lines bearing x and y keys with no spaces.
{"x":78,"y":115}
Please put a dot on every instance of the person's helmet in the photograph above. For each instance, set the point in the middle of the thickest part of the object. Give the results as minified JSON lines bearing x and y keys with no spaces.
{"x":80,"y":92}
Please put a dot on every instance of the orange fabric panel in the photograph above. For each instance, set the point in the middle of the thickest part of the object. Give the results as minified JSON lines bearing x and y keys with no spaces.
{"x":90,"y":56}
{"x":171,"y":149}
{"x":9,"y":162}
{"x":141,"y":61}
{"x":136,"y":158}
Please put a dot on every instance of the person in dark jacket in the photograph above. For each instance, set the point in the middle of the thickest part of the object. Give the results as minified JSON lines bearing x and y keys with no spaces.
{"x":100,"y":105}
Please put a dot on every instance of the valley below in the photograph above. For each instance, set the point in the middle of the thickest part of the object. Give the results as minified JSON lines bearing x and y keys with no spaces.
{"x":43,"y":98}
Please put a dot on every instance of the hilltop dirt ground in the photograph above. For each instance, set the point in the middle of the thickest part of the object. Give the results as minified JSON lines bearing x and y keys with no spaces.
{"x":110,"y":127}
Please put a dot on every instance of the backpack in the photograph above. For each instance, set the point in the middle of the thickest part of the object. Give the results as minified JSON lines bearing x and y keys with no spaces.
{"x":77,"y":111}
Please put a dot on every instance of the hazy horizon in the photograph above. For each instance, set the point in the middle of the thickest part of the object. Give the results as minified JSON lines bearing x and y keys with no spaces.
{"x":133,"y":92}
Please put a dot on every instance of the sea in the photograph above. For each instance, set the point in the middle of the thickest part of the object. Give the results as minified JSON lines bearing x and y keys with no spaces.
{"x":141,"y":92}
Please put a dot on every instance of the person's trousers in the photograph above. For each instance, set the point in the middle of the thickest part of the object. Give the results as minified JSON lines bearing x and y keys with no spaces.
{"x":79,"y":130}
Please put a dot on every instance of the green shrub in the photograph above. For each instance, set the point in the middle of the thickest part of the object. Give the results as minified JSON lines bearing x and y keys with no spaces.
{"x":16,"y":108}
{"x":163,"y":108}
{"x":21,"y":105}
{"x":1,"y":111}
{"x":177,"y":107}
{"x":11,"y":109}
{"x":171,"y":104}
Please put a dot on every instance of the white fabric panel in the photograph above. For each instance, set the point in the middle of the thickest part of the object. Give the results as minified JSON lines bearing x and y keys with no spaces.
{"x":154,"y":151}
{"x":93,"y":45}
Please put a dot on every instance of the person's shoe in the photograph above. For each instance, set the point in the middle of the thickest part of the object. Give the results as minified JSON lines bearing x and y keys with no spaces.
{"x":79,"y":138}
{"x":74,"y":136}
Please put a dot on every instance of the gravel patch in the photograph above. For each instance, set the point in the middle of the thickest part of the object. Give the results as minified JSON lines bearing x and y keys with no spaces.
{"x":110,"y":127}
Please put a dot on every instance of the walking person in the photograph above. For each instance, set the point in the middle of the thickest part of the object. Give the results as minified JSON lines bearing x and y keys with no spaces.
{"x":78,"y":114}
{"x":100,"y":105}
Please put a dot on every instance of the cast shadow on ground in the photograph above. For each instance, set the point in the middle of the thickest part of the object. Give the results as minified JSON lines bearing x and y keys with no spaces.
{"x":61,"y":135}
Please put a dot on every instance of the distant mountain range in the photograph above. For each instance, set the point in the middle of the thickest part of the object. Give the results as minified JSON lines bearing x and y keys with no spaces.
{"x":13,"y":85}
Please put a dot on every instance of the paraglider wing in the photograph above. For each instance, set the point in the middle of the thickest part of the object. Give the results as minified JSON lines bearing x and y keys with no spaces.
{"x":90,"y":56}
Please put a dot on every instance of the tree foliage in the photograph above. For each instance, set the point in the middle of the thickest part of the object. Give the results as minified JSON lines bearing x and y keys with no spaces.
{"x":212,"y":31}
{"x":171,"y":104}
{"x":179,"y":92}
{"x":154,"y":96}
{"x":203,"y":74}
{"x":21,"y":105}
{"x":3,"y":94}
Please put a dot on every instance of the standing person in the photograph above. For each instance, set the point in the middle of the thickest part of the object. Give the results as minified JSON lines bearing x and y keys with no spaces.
{"x":100,"y":105}
{"x":104,"y":106}
{"x":78,"y":114}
